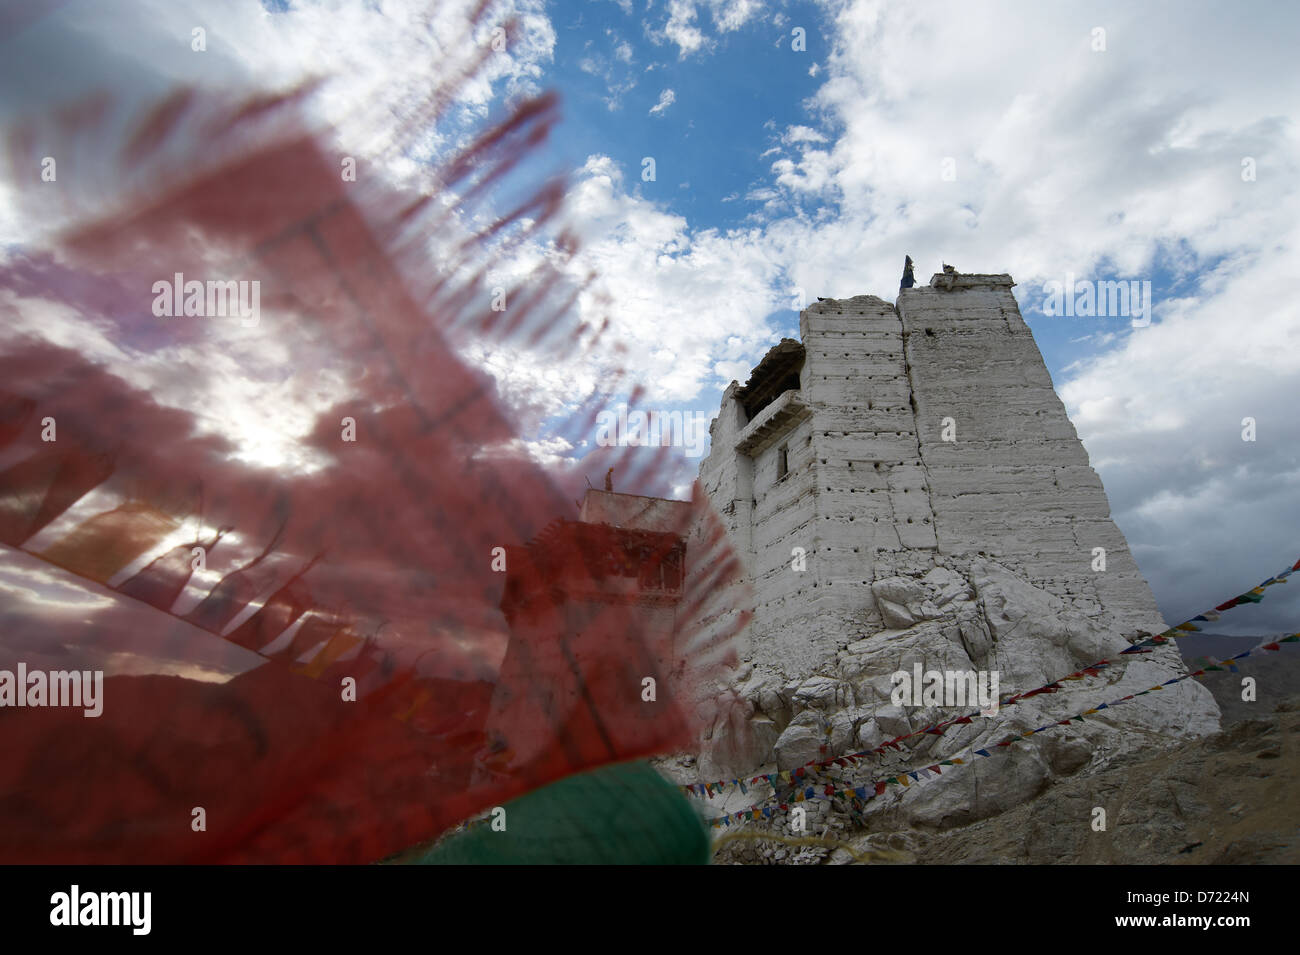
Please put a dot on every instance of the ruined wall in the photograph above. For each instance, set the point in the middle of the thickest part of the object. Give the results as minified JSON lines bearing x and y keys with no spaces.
{"x":633,"y":511}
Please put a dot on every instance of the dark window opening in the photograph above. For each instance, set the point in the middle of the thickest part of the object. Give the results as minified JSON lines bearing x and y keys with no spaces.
{"x":776,"y":374}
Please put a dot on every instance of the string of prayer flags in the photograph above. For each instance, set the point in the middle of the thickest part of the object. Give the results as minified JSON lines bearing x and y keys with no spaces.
{"x":880,"y":786}
{"x":1254,"y":595}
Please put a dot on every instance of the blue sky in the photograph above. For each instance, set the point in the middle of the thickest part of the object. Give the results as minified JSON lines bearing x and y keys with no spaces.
{"x":727,"y":108}
{"x":1103,"y":140}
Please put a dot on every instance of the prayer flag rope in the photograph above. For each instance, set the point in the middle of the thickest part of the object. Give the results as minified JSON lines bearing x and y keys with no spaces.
{"x":1254,"y":595}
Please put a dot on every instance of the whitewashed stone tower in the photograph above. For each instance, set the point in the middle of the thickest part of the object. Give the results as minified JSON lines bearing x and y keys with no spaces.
{"x":904,"y":483}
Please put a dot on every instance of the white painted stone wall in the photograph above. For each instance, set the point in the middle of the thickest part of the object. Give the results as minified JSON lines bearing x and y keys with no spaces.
{"x":975,"y":553}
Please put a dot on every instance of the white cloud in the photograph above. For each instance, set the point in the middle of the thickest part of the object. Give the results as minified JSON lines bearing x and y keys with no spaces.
{"x":658,"y":280}
{"x":812,"y":174}
{"x":802,"y":134}
{"x":1046,"y":154}
{"x":731,"y":15}
{"x":682,"y":26}
{"x":681,"y":29}
{"x":733,"y":370}
{"x":378,"y":63}
{"x":666,"y":99}
{"x":612,"y":70}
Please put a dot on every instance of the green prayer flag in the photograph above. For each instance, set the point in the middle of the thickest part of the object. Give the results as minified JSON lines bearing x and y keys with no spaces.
{"x":625,"y":814}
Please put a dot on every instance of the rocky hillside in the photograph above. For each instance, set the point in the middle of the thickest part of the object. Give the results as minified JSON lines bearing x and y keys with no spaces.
{"x":1228,"y":798}
{"x":1215,"y":795}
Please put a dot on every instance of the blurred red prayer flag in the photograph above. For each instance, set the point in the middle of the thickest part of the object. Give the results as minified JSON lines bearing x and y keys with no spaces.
{"x":357,"y":702}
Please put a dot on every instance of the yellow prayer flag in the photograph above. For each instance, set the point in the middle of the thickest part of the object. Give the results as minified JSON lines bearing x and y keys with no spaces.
{"x":424,"y":696}
{"x":106,"y":543}
{"x":339,"y":644}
